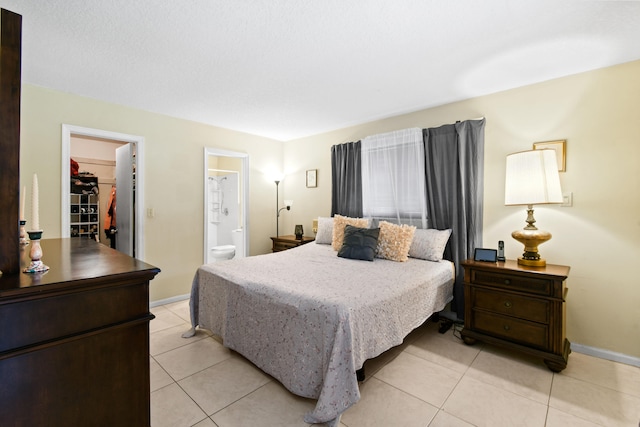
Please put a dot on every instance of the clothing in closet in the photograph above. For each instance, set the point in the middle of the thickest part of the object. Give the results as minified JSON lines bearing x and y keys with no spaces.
{"x":110,"y":228}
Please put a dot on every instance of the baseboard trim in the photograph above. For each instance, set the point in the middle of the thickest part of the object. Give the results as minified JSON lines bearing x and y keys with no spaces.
{"x":177,"y":298}
{"x":606,"y":354}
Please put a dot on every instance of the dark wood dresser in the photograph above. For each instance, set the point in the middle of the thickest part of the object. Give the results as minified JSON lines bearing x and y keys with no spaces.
{"x":282,"y":243}
{"x":518,"y":307}
{"x":74,"y":341}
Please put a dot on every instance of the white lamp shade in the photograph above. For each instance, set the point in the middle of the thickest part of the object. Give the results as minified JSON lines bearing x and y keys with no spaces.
{"x":532,"y":178}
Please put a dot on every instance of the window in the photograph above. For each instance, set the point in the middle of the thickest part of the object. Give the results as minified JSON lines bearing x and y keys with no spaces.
{"x":393,"y":177}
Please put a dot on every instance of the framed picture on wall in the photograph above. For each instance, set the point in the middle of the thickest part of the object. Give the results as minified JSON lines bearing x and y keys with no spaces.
{"x":560,"y":146}
{"x":312,"y":178}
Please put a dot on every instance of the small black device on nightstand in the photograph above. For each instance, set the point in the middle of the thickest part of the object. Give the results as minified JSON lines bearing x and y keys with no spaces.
{"x":501,"y":251}
{"x":487,"y":255}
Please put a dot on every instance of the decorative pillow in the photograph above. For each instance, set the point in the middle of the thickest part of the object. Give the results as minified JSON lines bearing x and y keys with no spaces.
{"x":429,"y":244}
{"x":339,"y":222}
{"x":394,"y":241}
{"x":359,"y":243}
{"x":324,"y":236}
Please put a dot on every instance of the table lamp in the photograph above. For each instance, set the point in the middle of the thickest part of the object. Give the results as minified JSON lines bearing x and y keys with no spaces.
{"x":531,"y":179}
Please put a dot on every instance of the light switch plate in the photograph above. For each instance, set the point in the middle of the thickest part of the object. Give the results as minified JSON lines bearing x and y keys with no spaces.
{"x":567,"y":199}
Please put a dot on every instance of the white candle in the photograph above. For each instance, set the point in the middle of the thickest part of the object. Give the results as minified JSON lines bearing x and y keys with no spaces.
{"x":22,"y":198}
{"x":35,"y":220}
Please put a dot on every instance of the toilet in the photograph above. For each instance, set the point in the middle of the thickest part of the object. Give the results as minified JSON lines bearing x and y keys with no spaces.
{"x":220,"y":253}
{"x":223,"y":252}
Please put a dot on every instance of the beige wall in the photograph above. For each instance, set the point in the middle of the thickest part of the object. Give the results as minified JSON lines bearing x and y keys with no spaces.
{"x":599,"y":237}
{"x":173,"y":151}
{"x":597,"y":112}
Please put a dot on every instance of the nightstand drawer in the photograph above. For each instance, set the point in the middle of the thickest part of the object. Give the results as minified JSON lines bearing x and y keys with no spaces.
{"x":534,"y":309}
{"x":511,"y":281}
{"x":513,"y":329}
{"x":283,"y":246}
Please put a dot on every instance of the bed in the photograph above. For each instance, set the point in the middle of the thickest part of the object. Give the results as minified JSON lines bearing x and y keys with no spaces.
{"x":311,"y":319}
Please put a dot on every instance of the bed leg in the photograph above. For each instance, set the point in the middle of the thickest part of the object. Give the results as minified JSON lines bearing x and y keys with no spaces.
{"x":360,"y":374}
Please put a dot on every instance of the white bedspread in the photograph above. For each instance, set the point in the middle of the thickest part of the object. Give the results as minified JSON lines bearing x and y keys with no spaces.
{"x":311,"y":319}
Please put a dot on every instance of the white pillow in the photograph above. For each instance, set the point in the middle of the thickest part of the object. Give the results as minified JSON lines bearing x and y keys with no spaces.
{"x":429,"y":244}
{"x":324,"y":236}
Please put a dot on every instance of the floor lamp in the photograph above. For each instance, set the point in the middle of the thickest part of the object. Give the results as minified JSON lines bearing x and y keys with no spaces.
{"x":287,"y":203}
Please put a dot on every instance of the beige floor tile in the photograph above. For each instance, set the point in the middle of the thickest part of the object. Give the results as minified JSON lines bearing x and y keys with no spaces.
{"x":614,"y":375}
{"x":164,"y":319}
{"x":181,"y":308}
{"x":595,"y":403}
{"x":224,"y":383}
{"x":172,"y":407}
{"x":171,"y":338}
{"x":159,"y":377}
{"x":421,"y":378}
{"x":372,"y":366}
{"x":529,"y":377}
{"x":445,"y":350}
{"x":382,"y":405}
{"x":444,"y":419}
{"x":270,"y":405}
{"x":206,"y":423}
{"x":483,"y":404}
{"x":557,"y":418}
{"x":192,"y":358}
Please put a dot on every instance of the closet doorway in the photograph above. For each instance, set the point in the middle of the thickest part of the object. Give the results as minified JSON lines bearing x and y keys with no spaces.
{"x":109,"y":163}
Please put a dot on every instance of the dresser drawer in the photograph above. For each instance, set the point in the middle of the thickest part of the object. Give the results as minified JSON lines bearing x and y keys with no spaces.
{"x":534,"y":309}
{"x":534,"y":334}
{"x":529,"y":284}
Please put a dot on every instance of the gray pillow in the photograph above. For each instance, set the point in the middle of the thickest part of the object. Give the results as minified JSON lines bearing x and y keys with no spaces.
{"x":324,"y":236}
{"x":429,"y":244}
{"x":359,"y":243}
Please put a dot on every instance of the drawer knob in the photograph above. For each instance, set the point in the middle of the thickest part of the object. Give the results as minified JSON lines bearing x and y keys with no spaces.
{"x":507,"y":304}
{"x":506,"y":327}
{"x":507,"y":281}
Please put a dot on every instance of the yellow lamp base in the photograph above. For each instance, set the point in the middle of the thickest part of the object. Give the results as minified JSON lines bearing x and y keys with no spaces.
{"x":532,"y":262}
{"x":531,"y":238}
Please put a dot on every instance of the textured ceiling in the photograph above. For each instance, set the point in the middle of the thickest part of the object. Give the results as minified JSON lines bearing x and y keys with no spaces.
{"x":286,"y":69}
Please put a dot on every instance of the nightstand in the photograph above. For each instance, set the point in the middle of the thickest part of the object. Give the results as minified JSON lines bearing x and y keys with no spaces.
{"x":517,"y":307}
{"x":282,"y":243}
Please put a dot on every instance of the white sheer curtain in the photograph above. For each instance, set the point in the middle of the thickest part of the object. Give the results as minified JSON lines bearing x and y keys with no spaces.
{"x":393,"y":177}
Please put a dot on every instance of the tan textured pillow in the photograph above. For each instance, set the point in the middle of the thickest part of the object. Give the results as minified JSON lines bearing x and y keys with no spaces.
{"x":394,"y":241}
{"x":339,"y":223}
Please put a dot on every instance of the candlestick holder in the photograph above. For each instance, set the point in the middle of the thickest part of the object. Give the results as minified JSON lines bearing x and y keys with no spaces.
{"x":23,"y":233}
{"x":36,"y":265}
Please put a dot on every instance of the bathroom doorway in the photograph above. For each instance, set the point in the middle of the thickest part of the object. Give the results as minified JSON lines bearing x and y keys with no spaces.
{"x":226,"y":204}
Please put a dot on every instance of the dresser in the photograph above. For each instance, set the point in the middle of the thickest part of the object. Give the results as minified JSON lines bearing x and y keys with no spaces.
{"x":282,"y":243}
{"x":74,"y":342}
{"x":518,"y":307}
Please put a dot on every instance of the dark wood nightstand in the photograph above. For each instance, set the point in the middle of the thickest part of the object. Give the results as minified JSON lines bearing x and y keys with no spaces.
{"x":282,"y":243}
{"x":518,"y":307}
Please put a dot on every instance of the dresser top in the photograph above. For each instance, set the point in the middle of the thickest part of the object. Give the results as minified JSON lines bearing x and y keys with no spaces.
{"x":512,"y":265}
{"x":72,"y":262}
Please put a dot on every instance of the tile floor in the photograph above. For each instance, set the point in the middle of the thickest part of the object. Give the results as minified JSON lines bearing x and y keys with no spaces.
{"x":431,"y":380}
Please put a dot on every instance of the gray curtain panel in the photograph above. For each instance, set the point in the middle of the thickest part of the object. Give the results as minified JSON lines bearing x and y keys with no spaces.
{"x":346,"y":180}
{"x":454,"y":157}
